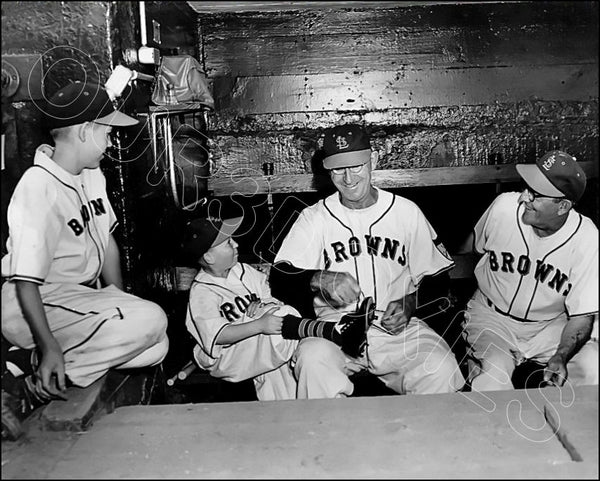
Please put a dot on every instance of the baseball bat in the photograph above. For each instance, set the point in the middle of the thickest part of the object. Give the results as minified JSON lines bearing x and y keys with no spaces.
{"x":183,"y":373}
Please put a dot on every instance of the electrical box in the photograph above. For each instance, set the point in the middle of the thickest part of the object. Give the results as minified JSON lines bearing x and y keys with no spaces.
{"x":22,"y":77}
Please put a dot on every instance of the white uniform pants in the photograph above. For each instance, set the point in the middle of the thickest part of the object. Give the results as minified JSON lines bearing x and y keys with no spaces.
{"x":262,"y":358}
{"x":98,"y":329}
{"x":416,"y":361}
{"x":499,"y":343}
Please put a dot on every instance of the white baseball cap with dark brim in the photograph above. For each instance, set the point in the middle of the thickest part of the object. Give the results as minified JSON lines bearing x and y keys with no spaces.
{"x":555,"y":174}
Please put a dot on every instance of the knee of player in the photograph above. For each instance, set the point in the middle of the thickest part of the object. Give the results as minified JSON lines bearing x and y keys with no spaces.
{"x":316,"y":351}
{"x":497,"y":362}
{"x":152,"y":321}
{"x":441,"y":362}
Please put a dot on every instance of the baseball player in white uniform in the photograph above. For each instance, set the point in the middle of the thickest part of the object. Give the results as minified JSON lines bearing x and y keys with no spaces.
{"x":537,"y":293}
{"x":60,"y":248}
{"x":366,"y":242}
{"x":243,"y":332}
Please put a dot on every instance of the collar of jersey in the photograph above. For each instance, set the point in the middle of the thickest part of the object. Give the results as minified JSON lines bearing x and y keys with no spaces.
{"x":383,"y":201}
{"x":561,"y":235}
{"x":206,"y":278}
{"x":43,"y":158}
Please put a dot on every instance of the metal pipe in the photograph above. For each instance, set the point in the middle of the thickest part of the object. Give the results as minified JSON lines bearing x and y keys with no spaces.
{"x":143,"y":23}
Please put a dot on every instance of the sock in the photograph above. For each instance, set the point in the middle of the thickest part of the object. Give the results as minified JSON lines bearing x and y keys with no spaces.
{"x":298,"y":328}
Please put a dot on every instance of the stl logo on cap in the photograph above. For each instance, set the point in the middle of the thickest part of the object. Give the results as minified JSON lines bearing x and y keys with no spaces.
{"x":549,"y":162}
{"x":341,"y":142}
{"x":345,"y":146}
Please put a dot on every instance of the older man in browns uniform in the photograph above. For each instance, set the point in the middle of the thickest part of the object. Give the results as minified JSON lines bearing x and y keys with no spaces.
{"x":537,"y":294}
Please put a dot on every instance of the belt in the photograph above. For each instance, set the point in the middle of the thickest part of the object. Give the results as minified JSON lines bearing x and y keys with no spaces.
{"x":500,"y":311}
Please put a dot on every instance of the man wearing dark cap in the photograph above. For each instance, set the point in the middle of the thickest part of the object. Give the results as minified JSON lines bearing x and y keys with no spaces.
{"x":363,"y":242}
{"x":62,"y":297}
{"x":537,"y":294}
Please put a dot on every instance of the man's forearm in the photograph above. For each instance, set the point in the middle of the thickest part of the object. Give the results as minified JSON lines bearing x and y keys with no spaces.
{"x":433,"y":296}
{"x":292,"y":286}
{"x":575,"y":334}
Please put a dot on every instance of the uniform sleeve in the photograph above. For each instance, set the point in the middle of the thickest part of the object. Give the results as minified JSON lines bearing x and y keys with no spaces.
{"x":426,"y":255}
{"x":487,"y":223}
{"x":34,"y":228}
{"x":205,"y":321}
{"x":582,"y":298}
{"x":303,"y":246}
{"x":113,"y":222}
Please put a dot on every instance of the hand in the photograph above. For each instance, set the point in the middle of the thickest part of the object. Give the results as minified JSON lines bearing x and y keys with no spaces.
{"x":50,"y":374}
{"x":398,"y":314}
{"x":255,"y":307}
{"x":252,"y":308}
{"x":555,"y":371}
{"x":352,"y":367}
{"x":337,"y":288}
{"x":270,"y":323}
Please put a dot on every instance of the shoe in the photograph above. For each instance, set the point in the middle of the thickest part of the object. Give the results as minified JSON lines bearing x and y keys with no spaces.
{"x":11,"y":425}
{"x":352,"y":328}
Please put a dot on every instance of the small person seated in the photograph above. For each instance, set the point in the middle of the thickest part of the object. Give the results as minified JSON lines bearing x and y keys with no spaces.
{"x":243,"y":332}
{"x":61,"y":249}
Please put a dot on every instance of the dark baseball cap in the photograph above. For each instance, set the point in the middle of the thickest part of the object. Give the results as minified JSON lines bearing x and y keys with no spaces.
{"x":346,"y":146}
{"x":81,"y":102}
{"x":556,"y":174}
{"x":203,"y":233}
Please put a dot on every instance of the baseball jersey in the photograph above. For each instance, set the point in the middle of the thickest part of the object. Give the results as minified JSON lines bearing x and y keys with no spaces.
{"x":215,"y":302}
{"x":387,"y":247}
{"x":59,"y":224}
{"x":536,"y":278}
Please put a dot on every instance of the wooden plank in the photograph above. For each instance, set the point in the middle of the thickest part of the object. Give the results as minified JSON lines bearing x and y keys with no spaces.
{"x":391,"y":50}
{"x":382,"y":437}
{"x":368,"y":91}
{"x":250,"y":6}
{"x":379,"y":40}
{"x":574,"y":117}
{"x":394,"y":15}
{"x":252,"y":185}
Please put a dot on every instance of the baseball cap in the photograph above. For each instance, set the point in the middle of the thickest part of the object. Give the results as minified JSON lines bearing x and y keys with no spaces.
{"x":81,"y":102}
{"x":556,"y":174}
{"x":202,"y":234}
{"x":345,"y":146}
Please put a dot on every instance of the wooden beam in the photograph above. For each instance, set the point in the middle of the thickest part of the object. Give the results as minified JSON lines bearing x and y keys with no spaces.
{"x":221,"y":6}
{"x":409,"y":88}
{"x":435,"y":176}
